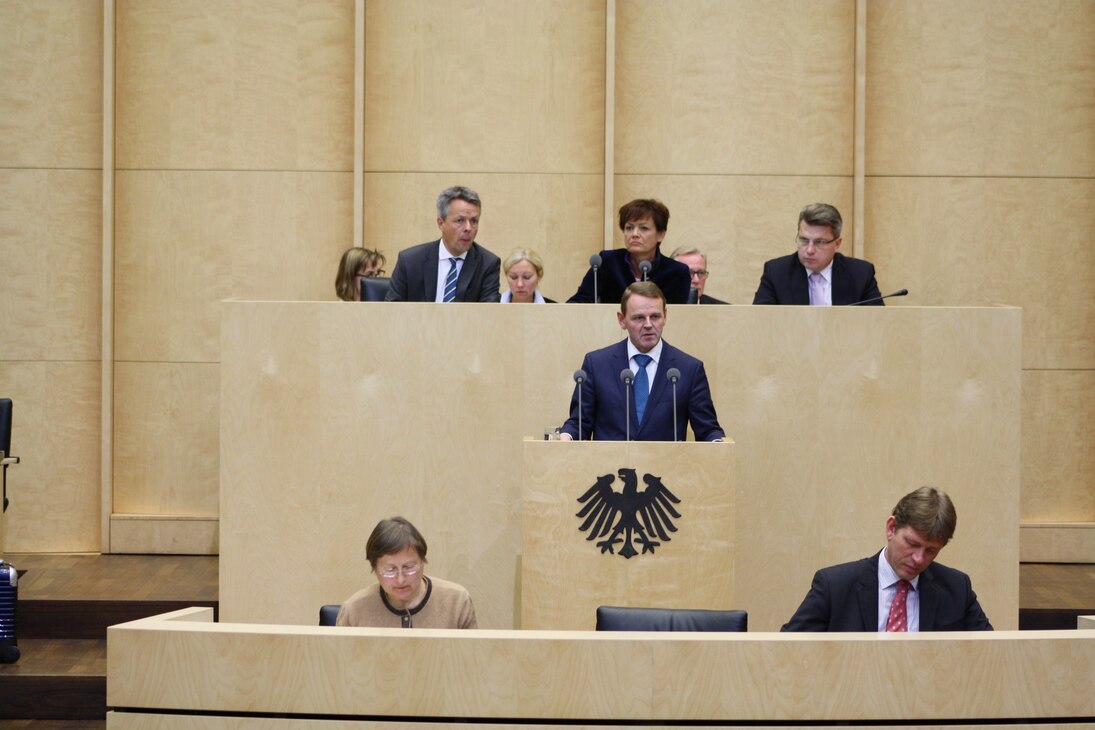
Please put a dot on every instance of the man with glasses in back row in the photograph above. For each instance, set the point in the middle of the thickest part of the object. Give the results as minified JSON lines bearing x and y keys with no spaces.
{"x":696,"y":261}
{"x":818,"y":274}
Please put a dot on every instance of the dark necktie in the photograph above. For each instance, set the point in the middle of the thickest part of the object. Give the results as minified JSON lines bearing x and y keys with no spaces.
{"x":642,"y":386}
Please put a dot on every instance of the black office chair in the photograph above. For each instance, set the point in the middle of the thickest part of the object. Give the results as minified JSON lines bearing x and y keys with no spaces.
{"x":6,"y":459}
{"x":328,"y":614}
{"x":374,"y":288}
{"x":619,"y":618}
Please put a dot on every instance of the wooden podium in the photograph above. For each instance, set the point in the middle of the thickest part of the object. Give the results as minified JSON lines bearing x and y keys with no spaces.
{"x":666,"y":537}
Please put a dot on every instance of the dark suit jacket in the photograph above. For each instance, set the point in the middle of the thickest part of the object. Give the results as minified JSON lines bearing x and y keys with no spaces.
{"x":845,"y":598}
{"x":414,"y":278}
{"x":784,"y":281}
{"x":603,"y":404}
{"x":704,"y":299}
{"x":614,"y":275}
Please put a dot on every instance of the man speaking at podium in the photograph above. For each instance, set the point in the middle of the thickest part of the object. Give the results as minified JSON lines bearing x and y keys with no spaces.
{"x":632,"y":390}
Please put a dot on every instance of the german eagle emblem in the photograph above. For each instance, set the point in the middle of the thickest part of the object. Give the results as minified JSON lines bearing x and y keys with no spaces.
{"x":628,"y":516}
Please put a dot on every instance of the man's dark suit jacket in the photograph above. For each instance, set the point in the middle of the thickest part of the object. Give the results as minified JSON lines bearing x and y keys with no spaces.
{"x":784,"y":281}
{"x":415,"y":276}
{"x":845,"y":598}
{"x":603,"y":404}
{"x":704,"y":299}
{"x":614,"y":275}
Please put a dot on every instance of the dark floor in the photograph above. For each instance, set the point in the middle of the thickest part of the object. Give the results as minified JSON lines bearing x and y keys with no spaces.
{"x":94,"y":577}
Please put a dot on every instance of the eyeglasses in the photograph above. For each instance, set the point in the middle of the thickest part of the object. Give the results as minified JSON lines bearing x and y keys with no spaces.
{"x":700,"y":273}
{"x":408,"y":571}
{"x":815,"y":242}
{"x":370,"y":274}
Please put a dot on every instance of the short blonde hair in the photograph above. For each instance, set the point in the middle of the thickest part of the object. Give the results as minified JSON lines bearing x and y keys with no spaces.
{"x":524,"y":254}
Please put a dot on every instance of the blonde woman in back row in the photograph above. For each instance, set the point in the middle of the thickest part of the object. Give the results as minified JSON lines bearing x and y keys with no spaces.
{"x":523,"y":270}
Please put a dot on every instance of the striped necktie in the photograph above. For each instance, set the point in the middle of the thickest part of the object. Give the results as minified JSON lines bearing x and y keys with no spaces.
{"x":450,"y":282}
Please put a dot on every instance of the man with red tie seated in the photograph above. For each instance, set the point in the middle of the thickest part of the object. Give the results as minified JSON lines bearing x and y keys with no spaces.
{"x":817,"y":273}
{"x":901,"y":588}
{"x":642,"y":410}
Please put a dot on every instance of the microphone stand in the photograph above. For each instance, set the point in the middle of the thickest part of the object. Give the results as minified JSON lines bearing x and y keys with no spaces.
{"x":898,"y":293}
{"x":579,"y":378}
{"x":627,"y":377}
{"x":674,"y":375}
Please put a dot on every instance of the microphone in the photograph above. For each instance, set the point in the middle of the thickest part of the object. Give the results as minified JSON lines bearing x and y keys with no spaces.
{"x":898,"y":293}
{"x":627,"y":377}
{"x":674,"y":375}
{"x":579,"y":378}
{"x":595,"y":264}
{"x":644,"y":267}
{"x":693,"y":296}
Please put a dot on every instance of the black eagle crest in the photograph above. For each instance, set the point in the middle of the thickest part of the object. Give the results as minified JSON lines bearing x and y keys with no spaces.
{"x":633,"y":514}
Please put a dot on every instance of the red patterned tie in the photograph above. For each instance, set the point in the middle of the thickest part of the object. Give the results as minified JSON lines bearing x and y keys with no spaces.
{"x":899,"y":620}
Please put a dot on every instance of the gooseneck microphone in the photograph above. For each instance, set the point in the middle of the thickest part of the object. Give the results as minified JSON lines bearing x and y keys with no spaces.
{"x":628,"y":378}
{"x":644,"y":267}
{"x":595,"y":264}
{"x":693,"y":295}
{"x":579,"y":378}
{"x":674,"y":375}
{"x":898,"y":293}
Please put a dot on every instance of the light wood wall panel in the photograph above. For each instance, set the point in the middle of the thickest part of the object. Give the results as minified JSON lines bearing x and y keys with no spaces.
{"x":50,"y":269}
{"x":51,"y":88}
{"x":1058,"y":458}
{"x":738,"y":221}
{"x":977,"y":241}
{"x":54,"y":491}
{"x":186,"y":240}
{"x":166,"y":444}
{"x":50,"y":258}
{"x":250,"y":84}
{"x":709,"y":87}
{"x":983,"y":87}
{"x":557,"y":215}
{"x":489,"y":86}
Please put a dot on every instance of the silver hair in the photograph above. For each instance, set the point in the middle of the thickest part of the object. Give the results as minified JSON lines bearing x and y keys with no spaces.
{"x":456,"y":192}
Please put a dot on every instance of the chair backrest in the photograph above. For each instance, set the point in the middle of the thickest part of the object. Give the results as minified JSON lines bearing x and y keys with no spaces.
{"x":619,"y":618}
{"x":5,"y":426}
{"x":374,"y":288}
{"x":328,"y":614}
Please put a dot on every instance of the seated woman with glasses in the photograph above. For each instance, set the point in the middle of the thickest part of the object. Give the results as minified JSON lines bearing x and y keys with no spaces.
{"x":404,"y":596}
{"x":356,"y":263}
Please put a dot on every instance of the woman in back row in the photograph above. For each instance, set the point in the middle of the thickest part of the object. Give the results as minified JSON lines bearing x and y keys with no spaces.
{"x":356,"y":263}
{"x":523,"y":270}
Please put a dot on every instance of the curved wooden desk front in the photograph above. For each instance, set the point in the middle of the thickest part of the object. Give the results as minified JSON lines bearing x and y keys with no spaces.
{"x":244,"y":675}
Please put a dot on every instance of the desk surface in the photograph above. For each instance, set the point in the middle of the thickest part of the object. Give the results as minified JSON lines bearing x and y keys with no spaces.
{"x":183,"y":661}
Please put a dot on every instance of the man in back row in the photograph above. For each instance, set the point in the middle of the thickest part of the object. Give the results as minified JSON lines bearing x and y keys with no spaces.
{"x":696,"y":261}
{"x":818,"y":274}
{"x":901,"y":588}
{"x":454,"y":268}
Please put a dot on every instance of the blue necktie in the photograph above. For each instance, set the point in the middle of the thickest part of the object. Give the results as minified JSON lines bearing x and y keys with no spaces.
{"x":642,"y":386}
{"x":450,"y":283}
